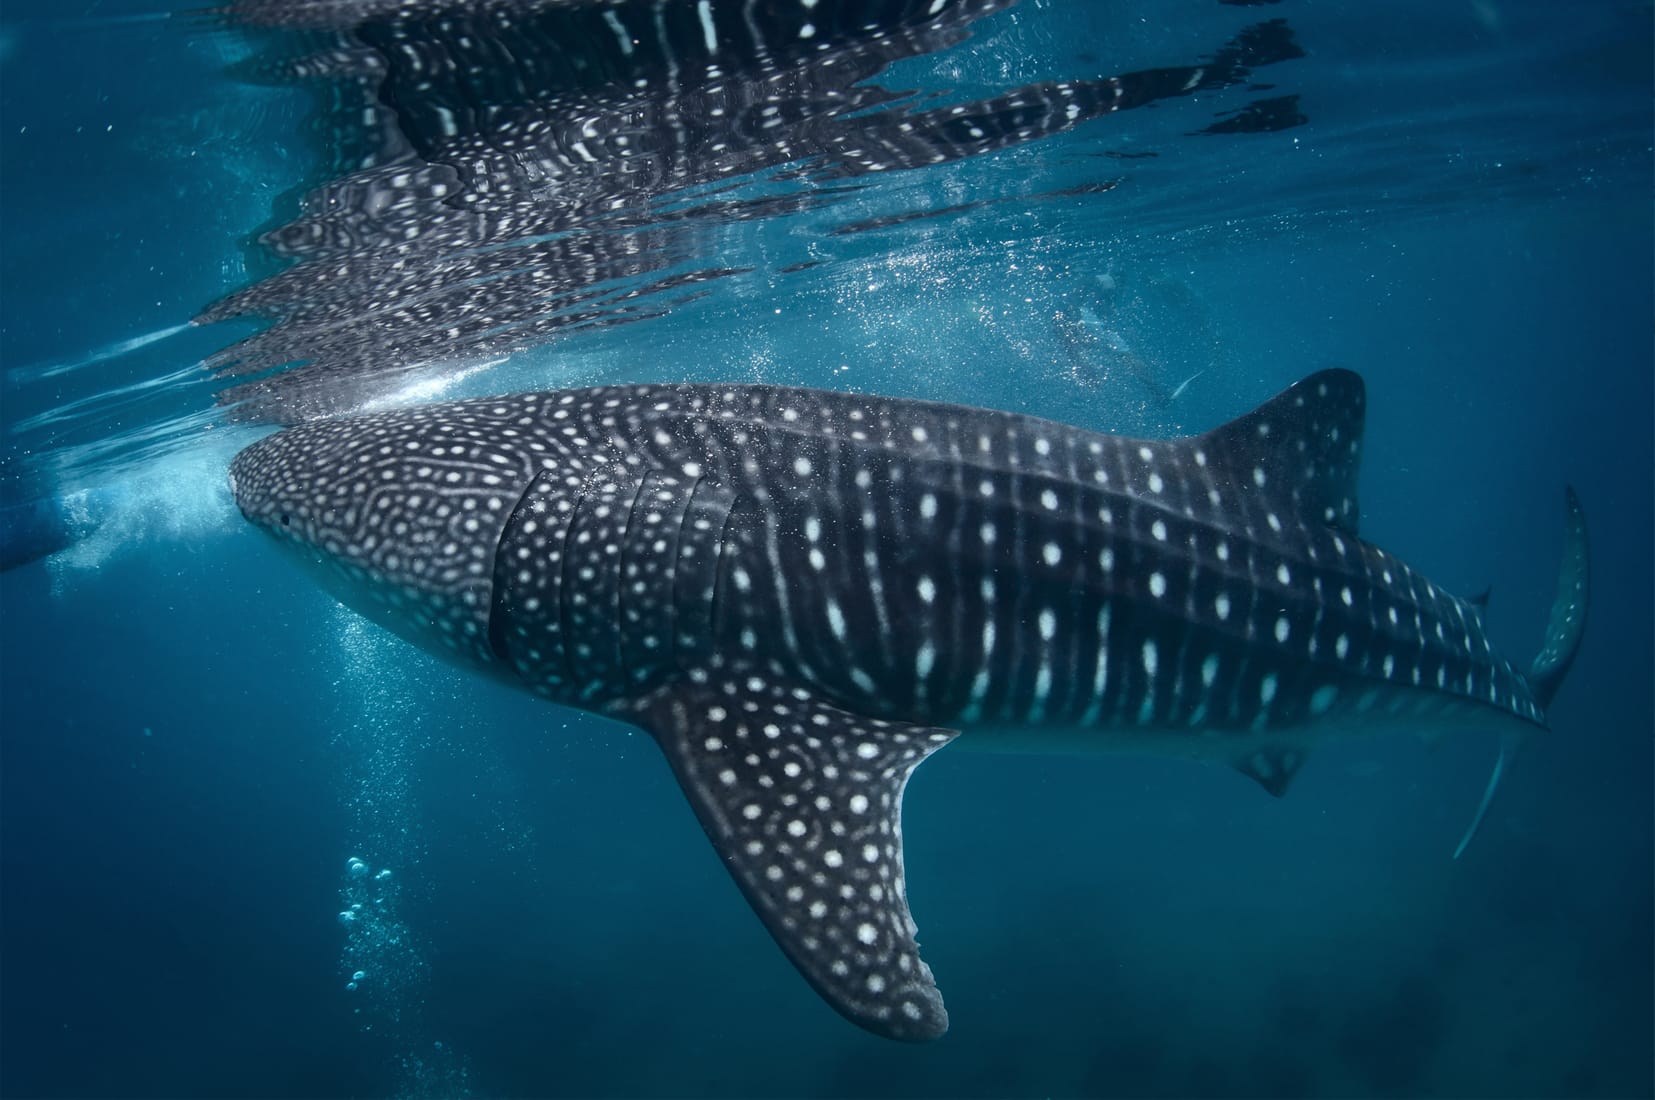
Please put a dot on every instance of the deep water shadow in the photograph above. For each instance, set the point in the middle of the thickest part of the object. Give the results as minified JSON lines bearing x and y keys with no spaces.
{"x":1391,"y":1044}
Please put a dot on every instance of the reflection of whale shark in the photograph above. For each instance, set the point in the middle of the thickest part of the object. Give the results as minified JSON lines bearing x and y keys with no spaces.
{"x":803,"y":594}
{"x":37,"y":528}
{"x":504,"y":172}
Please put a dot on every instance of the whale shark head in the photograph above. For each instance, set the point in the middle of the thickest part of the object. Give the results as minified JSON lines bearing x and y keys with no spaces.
{"x":398,"y":517}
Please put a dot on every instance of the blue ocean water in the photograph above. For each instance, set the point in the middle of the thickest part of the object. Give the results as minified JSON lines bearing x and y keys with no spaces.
{"x":196,"y":743}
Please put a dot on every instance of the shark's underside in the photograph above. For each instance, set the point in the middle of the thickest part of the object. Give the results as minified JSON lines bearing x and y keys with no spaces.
{"x":802,"y":594}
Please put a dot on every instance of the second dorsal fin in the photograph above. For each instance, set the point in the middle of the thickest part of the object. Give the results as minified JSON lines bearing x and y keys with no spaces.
{"x":1303,"y":445}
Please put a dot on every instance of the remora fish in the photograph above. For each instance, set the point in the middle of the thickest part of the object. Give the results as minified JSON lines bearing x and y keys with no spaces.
{"x":803,"y":594}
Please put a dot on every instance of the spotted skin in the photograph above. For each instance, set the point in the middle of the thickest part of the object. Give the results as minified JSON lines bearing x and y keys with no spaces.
{"x":802,"y":594}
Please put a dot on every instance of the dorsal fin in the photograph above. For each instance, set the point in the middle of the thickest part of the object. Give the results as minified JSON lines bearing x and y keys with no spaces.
{"x":1304,"y":444}
{"x":1477,"y":606}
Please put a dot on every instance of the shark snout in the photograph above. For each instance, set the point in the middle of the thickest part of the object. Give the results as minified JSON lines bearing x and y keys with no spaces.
{"x":244,"y":481}
{"x":273,"y":488}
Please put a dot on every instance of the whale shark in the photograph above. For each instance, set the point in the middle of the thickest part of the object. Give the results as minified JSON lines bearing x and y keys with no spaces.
{"x":803,"y":594}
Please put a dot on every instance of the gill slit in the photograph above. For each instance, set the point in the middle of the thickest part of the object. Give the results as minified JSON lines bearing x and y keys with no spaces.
{"x":718,"y":574}
{"x":621,"y":582}
{"x":565,"y":620}
{"x":501,"y":577}
{"x":673,"y":640}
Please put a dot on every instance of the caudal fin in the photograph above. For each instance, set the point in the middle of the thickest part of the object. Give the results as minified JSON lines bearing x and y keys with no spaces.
{"x":1563,"y":634}
{"x":1568,"y":618}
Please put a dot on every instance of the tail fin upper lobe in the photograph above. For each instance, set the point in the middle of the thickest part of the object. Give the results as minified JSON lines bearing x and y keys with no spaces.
{"x":1568,"y":618}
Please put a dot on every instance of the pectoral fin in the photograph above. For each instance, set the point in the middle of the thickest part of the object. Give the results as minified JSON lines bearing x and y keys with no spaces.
{"x":803,"y":802}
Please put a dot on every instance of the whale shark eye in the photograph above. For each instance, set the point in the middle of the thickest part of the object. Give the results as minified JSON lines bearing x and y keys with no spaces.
{"x":286,"y":520}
